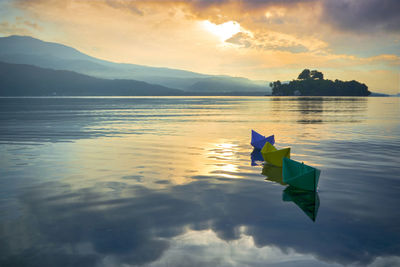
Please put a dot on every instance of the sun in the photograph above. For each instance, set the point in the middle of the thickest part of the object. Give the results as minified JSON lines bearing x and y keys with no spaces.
{"x":224,"y":30}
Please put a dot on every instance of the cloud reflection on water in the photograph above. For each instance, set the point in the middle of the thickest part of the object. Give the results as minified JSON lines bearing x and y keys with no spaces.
{"x":138,"y":228}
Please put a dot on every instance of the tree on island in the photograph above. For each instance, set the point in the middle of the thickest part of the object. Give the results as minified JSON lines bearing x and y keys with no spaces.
{"x":317,"y":75}
{"x":312,"y":83}
{"x":306,"y":74}
{"x":275,"y":84}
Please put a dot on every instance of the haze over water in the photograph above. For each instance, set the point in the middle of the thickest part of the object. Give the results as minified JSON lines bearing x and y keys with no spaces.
{"x":168,"y":181}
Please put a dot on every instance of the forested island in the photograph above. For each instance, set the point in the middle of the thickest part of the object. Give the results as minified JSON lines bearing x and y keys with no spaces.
{"x":312,"y":83}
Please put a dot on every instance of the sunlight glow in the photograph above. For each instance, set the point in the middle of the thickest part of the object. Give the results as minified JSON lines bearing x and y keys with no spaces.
{"x":224,"y":30}
{"x":268,"y":14}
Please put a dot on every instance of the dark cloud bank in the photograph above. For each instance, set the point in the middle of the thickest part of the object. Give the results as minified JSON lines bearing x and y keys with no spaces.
{"x":363,"y":15}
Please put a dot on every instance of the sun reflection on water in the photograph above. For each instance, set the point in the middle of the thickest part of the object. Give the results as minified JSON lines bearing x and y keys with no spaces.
{"x":226,"y":154}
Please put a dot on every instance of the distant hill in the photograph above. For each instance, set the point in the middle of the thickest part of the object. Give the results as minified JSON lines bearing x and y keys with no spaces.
{"x":27,"y":80}
{"x":31,"y":51}
{"x":378,"y":94}
{"x":225,"y":84}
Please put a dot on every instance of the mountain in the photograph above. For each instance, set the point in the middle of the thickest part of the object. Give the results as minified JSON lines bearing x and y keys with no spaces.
{"x":226,"y":84}
{"x":31,"y":51}
{"x":378,"y":94}
{"x":28,"y":50}
{"x":28,"y":80}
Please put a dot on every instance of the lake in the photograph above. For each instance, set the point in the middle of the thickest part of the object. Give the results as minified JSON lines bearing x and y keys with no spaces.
{"x":170,"y":181}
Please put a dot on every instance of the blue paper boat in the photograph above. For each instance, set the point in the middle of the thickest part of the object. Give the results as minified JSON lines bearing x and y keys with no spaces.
{"x":258,"y":141}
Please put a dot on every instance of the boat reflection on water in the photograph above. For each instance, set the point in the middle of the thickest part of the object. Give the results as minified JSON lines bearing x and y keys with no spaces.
{"x":308,"y":201}
{"x":256,"y":157}
{"x":273,"y":173}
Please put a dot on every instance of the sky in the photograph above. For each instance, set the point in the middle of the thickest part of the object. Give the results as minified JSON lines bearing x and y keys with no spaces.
{"x":258,"y":39}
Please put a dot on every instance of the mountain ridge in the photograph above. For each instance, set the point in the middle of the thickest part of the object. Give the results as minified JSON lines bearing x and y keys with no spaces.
{"x":28,"y":50}
{"x":28,"y":80}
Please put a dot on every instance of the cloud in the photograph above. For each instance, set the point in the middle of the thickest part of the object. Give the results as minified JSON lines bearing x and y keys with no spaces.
{"x":241,"y":39}
{"x":7,"y":28}
{"x":345,"y":15}
{"x":271,"y":41}
{"x":11,"y":25}
{"x":365,"y":16}
{"x":245,"y":6}
{"x":215,"y":11}
{"x":29,"y":24}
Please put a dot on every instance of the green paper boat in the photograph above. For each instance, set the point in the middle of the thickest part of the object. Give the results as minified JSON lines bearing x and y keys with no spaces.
{"x":307,"y":201}
{"x":300,"y":175}
{"x":273,"y":155}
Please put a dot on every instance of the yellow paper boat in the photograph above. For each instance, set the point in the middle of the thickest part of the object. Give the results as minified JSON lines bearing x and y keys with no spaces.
{"x":274,"y":156}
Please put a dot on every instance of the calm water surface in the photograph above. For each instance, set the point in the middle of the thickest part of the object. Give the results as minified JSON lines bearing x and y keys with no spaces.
{"x":170,"y":182}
